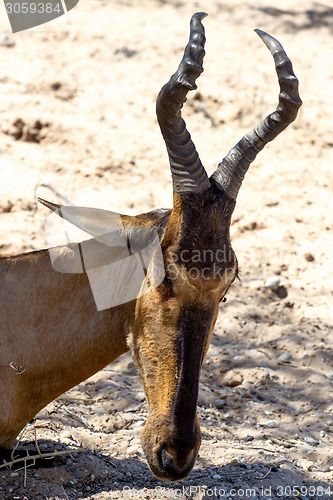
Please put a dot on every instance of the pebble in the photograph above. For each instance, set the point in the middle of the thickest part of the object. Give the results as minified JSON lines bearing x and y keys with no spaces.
{"x":217,"y":476}
{"x":232,"y":379}
{"x":7,"y":41}
{"x":66,"y":435}
{"x":220,"y":403}
{"x":132,"y":450}
{"x":14,"y":474}
{"x":271,"y":424}
{"x":140,"y":396}
{"x":329,"y":422}
{"x":310,"y":440}
{"x":273,"y":282}
{"x":285,"y":356}
{"x":309,"y":257}
{"x":236,"y":460}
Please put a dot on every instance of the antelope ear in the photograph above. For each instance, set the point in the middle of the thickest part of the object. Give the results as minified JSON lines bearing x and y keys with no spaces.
{"x":111,"y":228}
{"x":105,"y":226}
{"x":119,"y":274}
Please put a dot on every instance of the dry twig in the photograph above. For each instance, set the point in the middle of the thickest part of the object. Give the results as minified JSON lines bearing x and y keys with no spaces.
{"x":50,"y":455}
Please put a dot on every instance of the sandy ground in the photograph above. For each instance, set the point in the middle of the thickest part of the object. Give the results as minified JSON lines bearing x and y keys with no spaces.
{"x":78,"y":123}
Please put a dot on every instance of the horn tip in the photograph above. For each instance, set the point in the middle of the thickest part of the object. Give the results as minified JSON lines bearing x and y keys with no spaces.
{"x":51,"y":206}
{"x":200,"y":15}
{"x":271,"y":43}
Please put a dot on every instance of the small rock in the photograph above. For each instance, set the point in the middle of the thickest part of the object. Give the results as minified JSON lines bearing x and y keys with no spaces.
{"x":310,"y":440}
{"x":271,"y":424}
{"x":220,"y":403}
{"x":273,"y":283}
{"x":6,"y":207}
{"x":56,"y":85}
{"x":249,"y":438}
{"x":309,"y":257}
{"x":234,"y":461}
{"x":14,"y":474}
{"x":132,"y":450}
{"x":285,"y":356}
{"x":329,"y":422}
{"x":281,"y":292}
{"x":140,"y":396}
{"x":232,"y":379}
{"x":8,"y":41}
{"x":217,"y":476}
{"x":66,"y":435}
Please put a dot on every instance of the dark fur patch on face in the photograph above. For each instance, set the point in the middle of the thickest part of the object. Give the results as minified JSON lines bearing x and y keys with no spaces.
{"x":194,"y":323}
{"x":204,"y":241}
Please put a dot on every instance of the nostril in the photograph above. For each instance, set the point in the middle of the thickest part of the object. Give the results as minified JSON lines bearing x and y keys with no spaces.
{"x":167,"y":460}
{"x":171,"y":470}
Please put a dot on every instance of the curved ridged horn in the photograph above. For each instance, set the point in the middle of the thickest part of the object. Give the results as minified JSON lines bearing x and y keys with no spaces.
{"x":188,"y":173}
{"x":231,"y":171}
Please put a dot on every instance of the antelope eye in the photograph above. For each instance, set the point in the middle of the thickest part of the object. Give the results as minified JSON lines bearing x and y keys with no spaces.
{"x":224,"y":299}
{"x":167,"y":281}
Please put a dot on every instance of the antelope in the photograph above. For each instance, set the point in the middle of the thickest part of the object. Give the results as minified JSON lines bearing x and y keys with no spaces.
{"x":58,"y":336}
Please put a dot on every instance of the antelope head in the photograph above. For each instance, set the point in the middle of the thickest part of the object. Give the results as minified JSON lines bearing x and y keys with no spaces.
{"x":172,"y":323}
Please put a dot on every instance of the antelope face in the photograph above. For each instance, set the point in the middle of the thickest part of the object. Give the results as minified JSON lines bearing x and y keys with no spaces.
{"x":174,"y":324}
